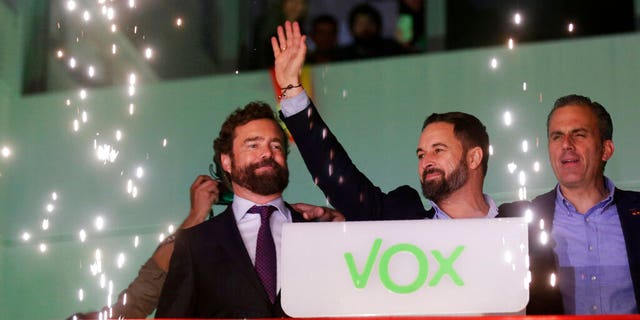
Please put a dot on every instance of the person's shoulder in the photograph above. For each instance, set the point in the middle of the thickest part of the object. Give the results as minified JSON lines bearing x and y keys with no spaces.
{"x":627,"y":195}
{"x":408,"y":199}
{"x":206,"y":226}
{"x":513,"y":209}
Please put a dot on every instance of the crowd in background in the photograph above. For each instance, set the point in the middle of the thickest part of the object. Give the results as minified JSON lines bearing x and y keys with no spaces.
{"x":365,"y":37}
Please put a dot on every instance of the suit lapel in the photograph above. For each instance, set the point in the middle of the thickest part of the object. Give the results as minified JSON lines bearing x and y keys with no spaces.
{"x":628,"y":206}
{"x":228,"y":236}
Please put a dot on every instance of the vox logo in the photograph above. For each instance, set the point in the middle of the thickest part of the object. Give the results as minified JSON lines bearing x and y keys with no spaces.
{"x":445,"y":267}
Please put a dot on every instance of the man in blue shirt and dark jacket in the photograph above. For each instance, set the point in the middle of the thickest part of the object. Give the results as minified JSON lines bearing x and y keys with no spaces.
{"x":584,"y":236}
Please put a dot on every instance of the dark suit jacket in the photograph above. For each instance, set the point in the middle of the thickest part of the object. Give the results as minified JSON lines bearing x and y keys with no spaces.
{"x":211,"y":275}
{"x":348,"y":190}
{"x":545,"y":299}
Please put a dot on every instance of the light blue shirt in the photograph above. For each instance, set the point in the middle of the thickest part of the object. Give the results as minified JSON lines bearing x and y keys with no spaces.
{"x":293,"y":105}
{"x":593,"y":271}
{"x":249,"y":224}
{"x":492,"y":213}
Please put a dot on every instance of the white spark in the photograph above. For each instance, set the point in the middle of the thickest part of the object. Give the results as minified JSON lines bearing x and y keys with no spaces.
{"x":71,"y":5}
{"x":536,"y":166}
{"x":106,"y":153}
{"x":82,"y":235}
{"x":522,"y":178}
{"x":6,"y":152}
{"x":132,"y":78}
{"x":148,"y":53}
{"x":99,"y":223}
{"x":517,"y":18}
{"x":139,"y":172}
{"x":120,"y":260}
{"x":507,"y":118}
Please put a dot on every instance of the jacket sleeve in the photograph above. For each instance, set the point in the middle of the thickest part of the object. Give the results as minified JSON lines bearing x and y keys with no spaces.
{"x":346,"y":188}
{"x":176,"y":299}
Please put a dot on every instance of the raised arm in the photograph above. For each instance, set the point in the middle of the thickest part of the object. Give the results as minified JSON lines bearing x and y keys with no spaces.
{"x":347,"y":189}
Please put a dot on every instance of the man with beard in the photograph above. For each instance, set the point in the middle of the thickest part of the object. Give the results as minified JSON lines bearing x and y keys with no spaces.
{"x":452,"y":154}
{"x":227,"y":266}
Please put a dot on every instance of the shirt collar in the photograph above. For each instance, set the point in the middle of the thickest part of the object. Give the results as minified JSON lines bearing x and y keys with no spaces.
{"x":241,"y":205}
{"x":492,"y":213}
{"x":561,"y":200}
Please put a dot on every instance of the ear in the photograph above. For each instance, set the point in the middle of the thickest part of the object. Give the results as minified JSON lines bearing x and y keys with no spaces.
{"x":607,"y":150}
{"x":474,"y":158}
{"x":225,"y":160}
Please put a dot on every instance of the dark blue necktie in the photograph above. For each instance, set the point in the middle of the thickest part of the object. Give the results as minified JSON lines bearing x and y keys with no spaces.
{"x":266,"y":264}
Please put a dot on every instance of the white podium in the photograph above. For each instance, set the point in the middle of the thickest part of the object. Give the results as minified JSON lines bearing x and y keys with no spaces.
{"x":401,"y":268}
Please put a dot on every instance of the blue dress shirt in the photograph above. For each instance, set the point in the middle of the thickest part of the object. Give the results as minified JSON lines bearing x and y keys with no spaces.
{"x":593,"y":268}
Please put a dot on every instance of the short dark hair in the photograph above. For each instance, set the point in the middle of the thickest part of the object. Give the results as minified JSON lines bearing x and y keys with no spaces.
{"x":323,"y":18}
{"x":605,"y":125}
{"x":223,"y":144}
{"x":368,"y":10}
{"x":468,"y":129}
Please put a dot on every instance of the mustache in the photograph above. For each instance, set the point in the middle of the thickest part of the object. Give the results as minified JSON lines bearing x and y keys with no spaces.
{"x":269,"y":162}
{"x":430,"y":171}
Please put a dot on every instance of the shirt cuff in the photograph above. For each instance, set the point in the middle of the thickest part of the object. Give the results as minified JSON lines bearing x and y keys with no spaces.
{"x":293,"y":105}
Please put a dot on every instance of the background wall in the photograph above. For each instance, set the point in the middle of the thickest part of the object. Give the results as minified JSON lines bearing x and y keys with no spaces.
{"x":376,"y":108}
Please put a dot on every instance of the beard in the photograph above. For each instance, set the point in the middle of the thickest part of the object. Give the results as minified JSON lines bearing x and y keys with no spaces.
{"x":440,"y":188}
{"x":264,"y":184}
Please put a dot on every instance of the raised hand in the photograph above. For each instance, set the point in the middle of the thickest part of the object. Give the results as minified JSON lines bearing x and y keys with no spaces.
{"x":289,"y":50}
{"x":311,"y":212}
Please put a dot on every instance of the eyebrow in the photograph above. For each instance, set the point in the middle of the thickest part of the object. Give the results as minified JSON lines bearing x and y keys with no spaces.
{"x":559,"y":132}
{"x":437,"y":144}
{"x":252,"y":139}
{"x":260,"y":138}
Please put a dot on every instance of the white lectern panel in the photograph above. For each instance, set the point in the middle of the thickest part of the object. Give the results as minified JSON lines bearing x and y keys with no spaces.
{"x":424,"y":267}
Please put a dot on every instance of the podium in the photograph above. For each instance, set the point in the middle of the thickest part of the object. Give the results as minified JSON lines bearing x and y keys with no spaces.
{"x":405,"y":268}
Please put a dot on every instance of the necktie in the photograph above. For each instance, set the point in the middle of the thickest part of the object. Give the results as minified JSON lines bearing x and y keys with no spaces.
{"x":266,"y":264}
